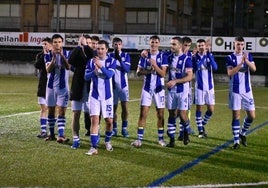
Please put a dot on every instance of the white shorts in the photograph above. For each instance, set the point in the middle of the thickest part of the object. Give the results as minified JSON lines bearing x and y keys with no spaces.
{"x":158,"y":98}
{"x":178,"y":101}
{"x":59,"y":97}
{"x":245,"y":99}
{"x":41,"y":100}
{"x":80,"y":106}
{"x":190,"y":99}
{"x":104,"y":106}
{"x":121,"y":94}
{"x":83,"y":104}
{"x":204,"y":97}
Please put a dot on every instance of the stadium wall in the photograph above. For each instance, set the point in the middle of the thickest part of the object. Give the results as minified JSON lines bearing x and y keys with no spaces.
{"x":22,"y":68}
{"x":20,"y":61}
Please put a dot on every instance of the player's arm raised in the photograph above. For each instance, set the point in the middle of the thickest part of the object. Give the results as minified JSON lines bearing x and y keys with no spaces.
{"x":65,"y":61}
{"x":161,"y":71}
{"x":250,"y":64}
{"x":51,"y":65}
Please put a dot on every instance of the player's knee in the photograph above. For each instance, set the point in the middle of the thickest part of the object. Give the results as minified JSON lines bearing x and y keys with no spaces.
{"x":251,"y":117}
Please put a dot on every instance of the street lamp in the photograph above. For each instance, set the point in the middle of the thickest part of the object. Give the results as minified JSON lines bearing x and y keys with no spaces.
{"x":159,"y":17}
{"x":58,"y":16}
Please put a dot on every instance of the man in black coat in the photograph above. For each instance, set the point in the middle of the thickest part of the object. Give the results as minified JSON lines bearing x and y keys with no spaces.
{"x":42,"y":83}
{"x":80,"y":88}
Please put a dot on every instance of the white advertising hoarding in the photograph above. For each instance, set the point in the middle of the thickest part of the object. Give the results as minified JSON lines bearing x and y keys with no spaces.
{"x":219,"y":44}
{"x":226,"y":44}
{"x":262,"y":44}
{"x":24,"y":38}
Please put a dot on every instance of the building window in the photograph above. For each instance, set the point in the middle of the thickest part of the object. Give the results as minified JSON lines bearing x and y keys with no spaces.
{"x":62,"y":11}
{"x":152,"y":17}
{"x":169,"y":19}
{"x":4,"y":10}
{"x":104,"y":12}
{"x":10,"y":10}
{"x":131,"y":17}
{"x":14,"y":10}
{"x":73,"y":11}
{"x":143,"y":17}
{"x":84,"y":11}
{"x":186,"y":2}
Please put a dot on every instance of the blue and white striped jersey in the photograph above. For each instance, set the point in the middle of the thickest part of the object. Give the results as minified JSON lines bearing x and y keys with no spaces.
{"x":178,"y":67}
{"x":59,"y":76}
{"x":153,"y":82}
{"x":122,"y":68}
{"x":101,"y":83}
{"x":239,"y":82}
{"x":203,"y":66}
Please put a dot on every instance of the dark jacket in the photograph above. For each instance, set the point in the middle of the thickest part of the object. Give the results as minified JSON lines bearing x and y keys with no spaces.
{"x":42,"y":74}
{"x":78,"y":60}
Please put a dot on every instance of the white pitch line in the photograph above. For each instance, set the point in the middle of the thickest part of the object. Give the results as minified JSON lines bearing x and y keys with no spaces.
{"x":134,"y":100}
{"x":16,"y":94}
{"x":19,"y":114}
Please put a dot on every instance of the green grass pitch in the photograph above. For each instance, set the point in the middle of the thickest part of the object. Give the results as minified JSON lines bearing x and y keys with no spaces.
{"x":26,"y":161}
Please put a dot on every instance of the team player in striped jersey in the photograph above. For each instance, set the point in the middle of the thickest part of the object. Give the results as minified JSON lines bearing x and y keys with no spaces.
{"x":239,"y":64}
{"x":57,"y":91}
{"x":187,"y":42}
{"x":203,"y":66}
{"x":100,"y":70}
{"x":153,"y":68}
{"x":120,"y":82}
{"x":186,"y":45}
{"x":180,"y":75}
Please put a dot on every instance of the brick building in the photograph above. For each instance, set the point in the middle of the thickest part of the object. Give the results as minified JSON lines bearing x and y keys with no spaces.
{"x":185,"y":17}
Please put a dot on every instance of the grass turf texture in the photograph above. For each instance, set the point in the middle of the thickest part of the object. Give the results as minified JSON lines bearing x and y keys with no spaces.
{"x":26,"y":161}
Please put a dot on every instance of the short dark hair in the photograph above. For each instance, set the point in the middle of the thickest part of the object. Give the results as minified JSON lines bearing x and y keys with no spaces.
{"x":179,"y":39}
{"x":239,"y":38}
{"x":47,"y":39}
{"x":104,"y":42}
{"x":88,"y":37}
{"x":56,"y":36}
{"x":95,"y":37}
{"x":117,"y":39}
{"x":201,"y":40}
{"x":186,"y":39}
{"x":155,"y":37}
